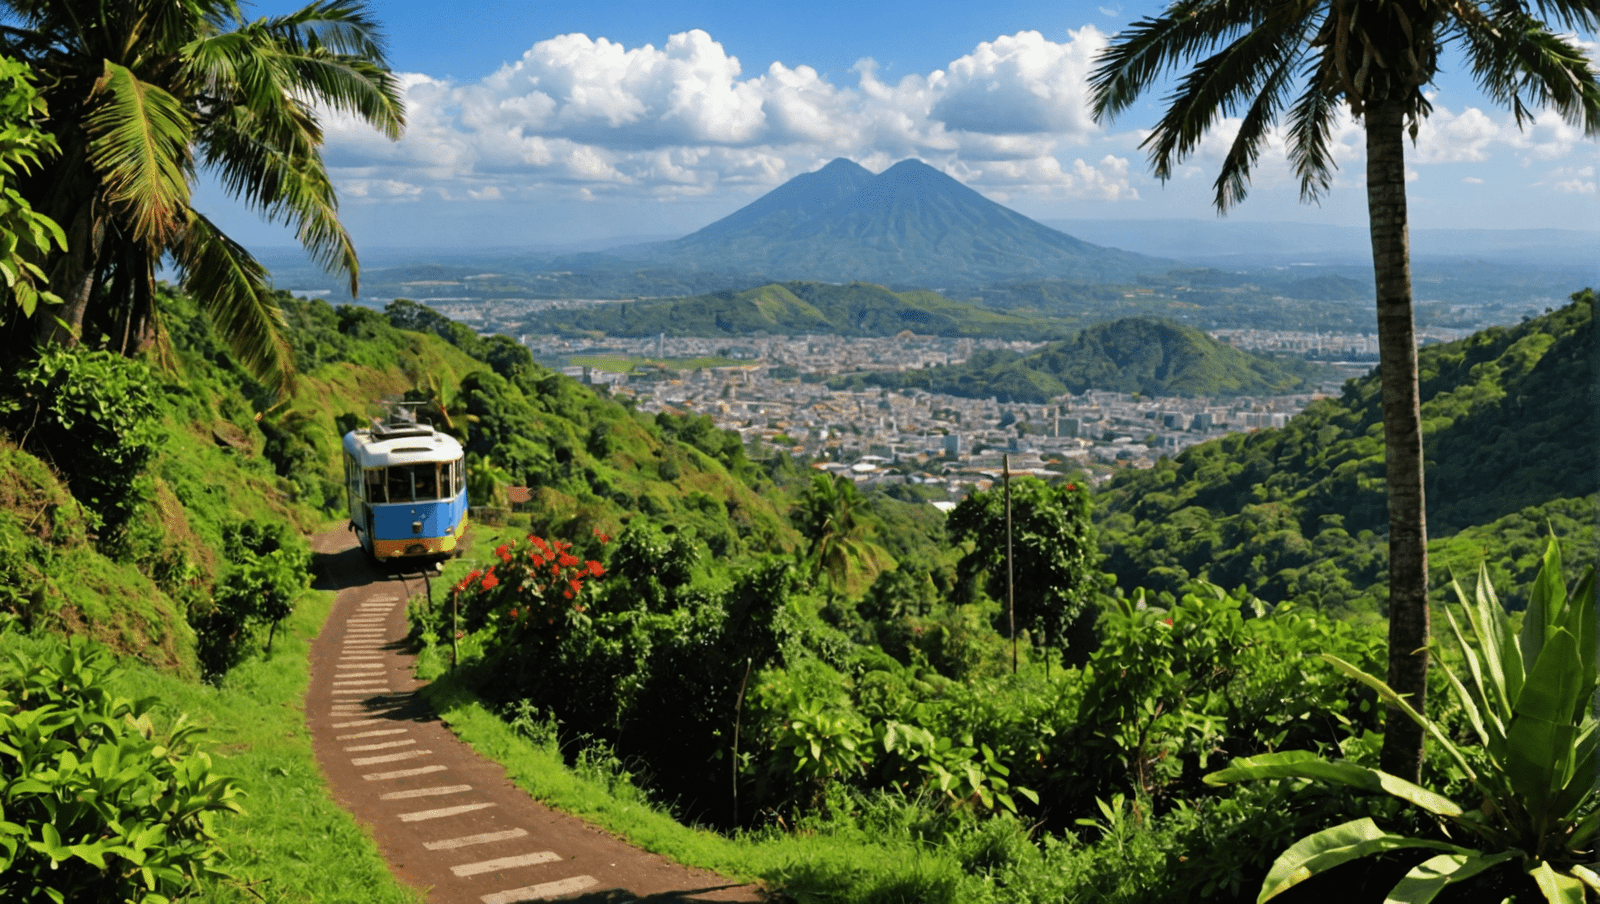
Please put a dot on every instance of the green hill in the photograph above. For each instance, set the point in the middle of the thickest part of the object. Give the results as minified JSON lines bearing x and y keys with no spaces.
{"x":1135,"y":354}
{"x":1300,"y":513}
{"x":856,"y":309}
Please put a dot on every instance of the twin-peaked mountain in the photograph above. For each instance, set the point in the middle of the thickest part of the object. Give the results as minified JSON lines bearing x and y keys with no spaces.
{"x":910,"y":225}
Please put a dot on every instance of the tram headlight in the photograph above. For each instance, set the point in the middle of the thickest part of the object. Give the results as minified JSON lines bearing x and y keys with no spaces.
{"x":416,"y":528}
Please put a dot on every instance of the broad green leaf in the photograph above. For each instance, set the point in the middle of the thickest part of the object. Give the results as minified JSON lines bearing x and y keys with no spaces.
{"x":1587,"y":876}
{"x":1429,"y":877}
{"x":1303,"y":764}
{"x":1388,"y":695}
{"x":1540,"y":740}
{"x":1558,"y":888}
{"x":1334,"y":846}
{"x":1544,"y":599}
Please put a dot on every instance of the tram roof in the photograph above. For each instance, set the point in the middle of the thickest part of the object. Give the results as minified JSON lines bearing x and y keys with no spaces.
{"x":408,"y":444}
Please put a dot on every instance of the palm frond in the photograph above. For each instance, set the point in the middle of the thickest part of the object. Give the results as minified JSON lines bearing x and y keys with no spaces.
{"x":1152,"y":46}
{"x":139,"y":137}
{"x":1310,"y":124}
{"x":286,"y":187}
{"x":231,"y":287}
{"x":1521,"y":64}
{"x":1233,"y":180}
{"x":1218,"y":85}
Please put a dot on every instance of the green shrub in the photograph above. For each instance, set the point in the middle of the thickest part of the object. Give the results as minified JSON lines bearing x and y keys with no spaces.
{"x":98,"y":804}
{"x":93,"y":416}
{"x":267,"y":572}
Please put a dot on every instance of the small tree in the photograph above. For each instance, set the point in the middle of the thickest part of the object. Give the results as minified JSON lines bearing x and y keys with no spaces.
{"x":1052,"y":546}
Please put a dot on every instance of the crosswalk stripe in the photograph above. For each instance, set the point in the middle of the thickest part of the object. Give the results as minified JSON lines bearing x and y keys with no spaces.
{"x":442,"y":812}
{"x":388,"y":758}
{"x":425,"y":792}
{"x":489,"y":866}
{"x":542,"y":891}
{"x":386,"y":745}
{"x":403,"y":773}
{"x":450,"y":844}
{"x":371,"y":734}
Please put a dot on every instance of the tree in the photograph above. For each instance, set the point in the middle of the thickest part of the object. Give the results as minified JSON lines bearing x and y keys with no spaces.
{"x":143,"y":94}
{"x":1051,"y":545}
{"x":826,"y":516}
{"x":1303,"y":63}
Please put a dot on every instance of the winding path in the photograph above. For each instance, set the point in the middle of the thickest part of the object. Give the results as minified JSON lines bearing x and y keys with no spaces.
{"x":447,"y":820}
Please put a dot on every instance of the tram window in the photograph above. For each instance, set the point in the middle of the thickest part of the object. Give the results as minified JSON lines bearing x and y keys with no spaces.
{"x":375,"y":486}
{"x":425,"y":481}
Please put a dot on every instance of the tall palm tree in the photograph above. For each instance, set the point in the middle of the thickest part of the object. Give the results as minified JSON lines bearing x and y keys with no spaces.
{"x":143,"y":95}
{"x":1300,"y":62}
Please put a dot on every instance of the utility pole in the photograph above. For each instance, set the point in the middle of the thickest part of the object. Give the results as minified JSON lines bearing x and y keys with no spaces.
{"x":1011,"y":586}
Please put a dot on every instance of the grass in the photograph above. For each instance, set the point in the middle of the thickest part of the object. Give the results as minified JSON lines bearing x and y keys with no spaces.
{"x":833,"y":863}
{"x":293,"y":844}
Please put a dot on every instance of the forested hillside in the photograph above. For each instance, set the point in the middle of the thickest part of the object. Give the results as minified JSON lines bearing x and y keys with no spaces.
{"x":1134,"y":354}
{"x":778,"y":309}
{"x":1298,"y":513}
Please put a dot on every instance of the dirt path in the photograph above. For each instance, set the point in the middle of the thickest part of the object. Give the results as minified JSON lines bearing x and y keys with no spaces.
{"x":448,"y":821}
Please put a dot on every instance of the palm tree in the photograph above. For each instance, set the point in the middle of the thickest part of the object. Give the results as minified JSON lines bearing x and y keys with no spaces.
{"x":142,"y":95}
{"x":827,"y":517}
{"x":1301,"y":61}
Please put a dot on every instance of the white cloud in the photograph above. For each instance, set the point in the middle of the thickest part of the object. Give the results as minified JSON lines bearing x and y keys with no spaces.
{"x":1472,"y":180}
{"x":577,"y":117}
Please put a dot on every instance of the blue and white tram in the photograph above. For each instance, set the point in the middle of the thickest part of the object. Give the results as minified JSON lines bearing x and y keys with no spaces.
{"x":407,"y":487}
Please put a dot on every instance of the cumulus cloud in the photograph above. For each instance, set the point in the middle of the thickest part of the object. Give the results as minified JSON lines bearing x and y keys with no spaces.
{"x":684,"y":118}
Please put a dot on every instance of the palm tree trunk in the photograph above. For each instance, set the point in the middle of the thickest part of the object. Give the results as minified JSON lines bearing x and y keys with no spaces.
{"x":1409,"y":627}
{"x":72,"y":277}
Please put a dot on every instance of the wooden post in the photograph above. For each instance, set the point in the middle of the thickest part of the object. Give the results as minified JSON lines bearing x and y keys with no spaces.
{"x":738,"y":710}
{"x":453,"y":630}
{"x":1011,"y":589}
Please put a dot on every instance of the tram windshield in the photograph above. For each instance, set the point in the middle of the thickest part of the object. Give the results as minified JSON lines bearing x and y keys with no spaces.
{"x":412,"y":483}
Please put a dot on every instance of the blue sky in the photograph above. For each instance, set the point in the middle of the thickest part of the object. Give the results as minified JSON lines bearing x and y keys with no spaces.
{"x":536,"y":123}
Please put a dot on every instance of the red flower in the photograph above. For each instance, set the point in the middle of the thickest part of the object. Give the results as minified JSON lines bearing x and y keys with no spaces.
{"x":568,"y":561}
{"x":575,"y":584}
{"x":513,"y":613}
{"x":537,"y":541}
{"x":567,"y":594}
{"x":490,"y":581}
{"x":604,"y":537}
{"x":596,"y":569}
{"x":1071,"y":487}
{"x":538,"y":560}
{"x":580,"y":608}
{"x":504,"y":552}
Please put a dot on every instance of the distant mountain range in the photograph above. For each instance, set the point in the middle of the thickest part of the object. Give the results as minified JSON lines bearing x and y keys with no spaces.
{"x":910,"y":225}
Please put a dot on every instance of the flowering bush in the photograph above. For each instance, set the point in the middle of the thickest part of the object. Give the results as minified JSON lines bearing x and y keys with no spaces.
{"x":535,"y":585}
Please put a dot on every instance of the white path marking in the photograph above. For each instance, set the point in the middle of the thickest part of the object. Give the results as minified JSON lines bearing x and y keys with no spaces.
{"x":489,"y":866}
{"x":425,"y":792}
{"x":542,"y":891}
{"x":357,"y":724}
{"x":388,"y":758}
{"x":371,"y":734}
{"x":359,"y":691}
{"x":403,"y":773}
{"x":386,"y":745}
{"x":450,"y":844}
{"x":361,"y":682}
{"x":442,"y":812}
{"x":383,"y":599}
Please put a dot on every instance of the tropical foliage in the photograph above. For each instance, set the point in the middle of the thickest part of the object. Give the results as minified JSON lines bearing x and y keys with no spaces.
{"x":25,"y":234}
{"x":142,"y":95}
{"x":99,"y":804}
{"x":1306,"y":65}
{"x":1528,"y":695}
